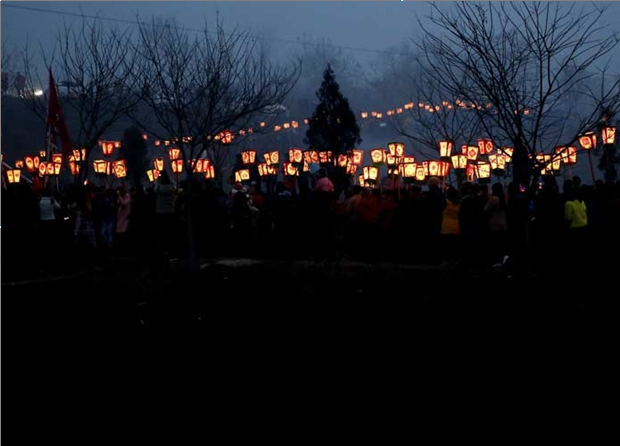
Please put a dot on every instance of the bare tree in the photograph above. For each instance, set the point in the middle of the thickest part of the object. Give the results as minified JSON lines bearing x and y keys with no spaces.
{"x":198,"y":86}
{"x":517,"y":64}
{"x":92,"y":64}
{"x":430,"y":113}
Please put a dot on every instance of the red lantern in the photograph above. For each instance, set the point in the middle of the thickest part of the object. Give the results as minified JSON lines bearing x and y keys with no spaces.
{"x":396,"y":149}
{"x":485,"y":146}
{"x":408,"y":170}
{"x":158,"y":163}
{"x":588,"y":140}
{"x":311,"y":156}
{"x":472,"y":153}
{"x":99,"y":167}
{"x":49,"y":168}
{"x":174,"y":153}
{"x":378,"y":156}
{"x":210,"y":173}
{"x":325,"y":156}
{"x":295,"y":155}
{"x":227,"y":137}
{"x":30,"y":163}
{"x":13,"y":175}
{"x":483,"y":170}
{"x":357,"y":157}
{"x":177,"y":165}
{"x":371,"y":173}
{"x":459,"y":161}
{"x":445,"y":149}
{"x":119,"y":167}
{"x":109,"y":146}
{"x":608,"y":135}
{"x":290,"y":170}
{"x":420,"y":173}
{"x":248,"y":157}
{"x":74,"y":168}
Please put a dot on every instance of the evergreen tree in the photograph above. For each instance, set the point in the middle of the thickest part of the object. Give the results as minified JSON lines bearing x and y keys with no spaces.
{"x":133,"y":150}
{"x":333,"y":127}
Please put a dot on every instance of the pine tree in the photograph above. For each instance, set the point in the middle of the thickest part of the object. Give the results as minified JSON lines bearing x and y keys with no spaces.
{"x":333,"y":126}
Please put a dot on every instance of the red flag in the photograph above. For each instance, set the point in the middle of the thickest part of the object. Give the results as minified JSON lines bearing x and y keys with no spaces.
{"x":56,"y":124}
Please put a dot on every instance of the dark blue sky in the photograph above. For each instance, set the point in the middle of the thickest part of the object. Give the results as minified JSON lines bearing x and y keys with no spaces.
{"x":372,"y":25}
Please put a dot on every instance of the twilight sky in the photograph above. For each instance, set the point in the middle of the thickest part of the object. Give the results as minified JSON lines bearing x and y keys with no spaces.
{"x":372,"y":25}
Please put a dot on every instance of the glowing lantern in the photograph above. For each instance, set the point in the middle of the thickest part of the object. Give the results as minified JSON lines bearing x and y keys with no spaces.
{"x":57,"y":158}
{"x":109,"y":146}
{"x":248,"y":156}
{"x":210,"y":173}
{"x":556,"y":163}
{"x":371,"y":173}
{"x":399,"y":110}
{"x":77,"y":155}
{"x":295,"y":124}
{"x":342,"y":160}
{"x":396,"y":149}
{"x":99,"y":167}
{"x":29,"y":163}
{"x":357,"y":157}
{"x":390,"y":159}
{"x":42,"y":153}
{"x":49,"y":168}
{"x":242,"y":175}
{"x":569,"y":156}
{"x":361,"y":180}
{"x":266,"y":169}
{"x":290,"y":170}
{"x":434,"y":168}
{"x":508,"y":151}
{"x":493,"y":161}
{"x":420,"y":173}
{"x":483,"y":170}
{"x":364,"y":115}
{"x":13,"y":175}
{"x":157,"y":143}
{"x":408,"y":170}
{"x":42,"y":169}
{"x":351,"y":169}
{"x":306,"y":167}
{"x":177,"y":166}
{"x":377,"y":156}
{"x":227,"y":137}
{"x":174,"y":153}
{"x":459,"y":161}
{"x":485,"y":146}
{"x":444,"y":168}
{"x":472,"y":153}
{"x":445,"y":149}
{"x":501,"y":161}
{"x":608,"y":135}
{"x":158,"y":164}
{"x":272,"y":157}
{"x":57,"y":168}
{"x":295,"y":155}
{"x":325,"y":156}
{"x":587,"y":141}
{"x":286,"y":125}
{"x":153,"y":174}
{"x":74,"y":168}
{"x":408,"y":159}
{"x":119,"y":167}
{"x":19,"y":164}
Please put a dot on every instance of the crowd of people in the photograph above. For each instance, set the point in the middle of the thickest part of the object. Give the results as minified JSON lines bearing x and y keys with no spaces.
{"x":474,"y":225}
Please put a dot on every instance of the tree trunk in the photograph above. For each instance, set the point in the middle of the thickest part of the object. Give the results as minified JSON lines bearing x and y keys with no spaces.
{"x":521,"y":172}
